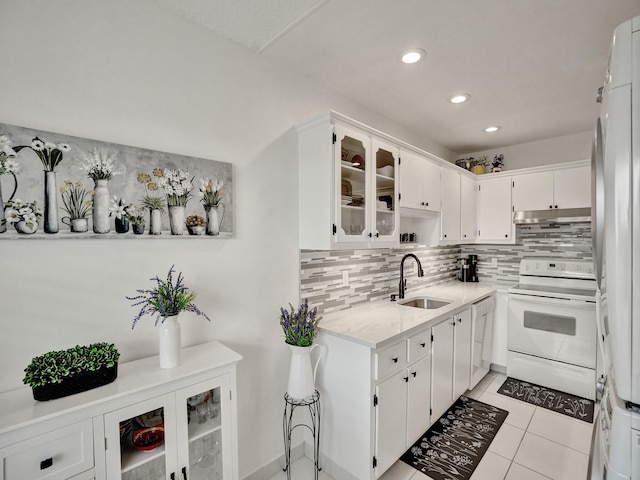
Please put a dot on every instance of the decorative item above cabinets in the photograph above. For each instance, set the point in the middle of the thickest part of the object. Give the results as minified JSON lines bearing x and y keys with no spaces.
{"x":347,"y":186}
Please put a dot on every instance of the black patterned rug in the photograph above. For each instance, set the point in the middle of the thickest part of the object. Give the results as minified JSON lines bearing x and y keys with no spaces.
{"x":454,"y":445}
{"x":565,"y":403}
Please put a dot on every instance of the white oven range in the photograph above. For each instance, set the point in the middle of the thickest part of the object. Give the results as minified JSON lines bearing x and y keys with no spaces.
{"x":551,"y":329}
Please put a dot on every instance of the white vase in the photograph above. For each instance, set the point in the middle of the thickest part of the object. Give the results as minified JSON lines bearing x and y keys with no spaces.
{"x":170,"y":342}
{"x":100,"y":208}
{"x":177,"y":217}
{"x":301,"y":376}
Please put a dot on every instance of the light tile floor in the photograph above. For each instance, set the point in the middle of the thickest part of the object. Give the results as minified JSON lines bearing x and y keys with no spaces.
{"x":532,"y":444}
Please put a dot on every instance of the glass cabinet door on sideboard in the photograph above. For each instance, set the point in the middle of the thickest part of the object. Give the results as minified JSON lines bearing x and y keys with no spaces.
{"x":177,"y":436}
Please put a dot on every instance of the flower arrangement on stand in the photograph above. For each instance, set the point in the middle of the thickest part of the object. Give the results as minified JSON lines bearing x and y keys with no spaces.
{"x":300,"y":328}
{"x":50,"y":154}
{"x":211,"y":196}
{"x":177,"y":186}
{"x":8,"y":165}
{"x":166,"y":300}
{"x":24,"y":216}
{"x":77,"y":202}
{"x":100,"y":167}
{"x":152,"y":201}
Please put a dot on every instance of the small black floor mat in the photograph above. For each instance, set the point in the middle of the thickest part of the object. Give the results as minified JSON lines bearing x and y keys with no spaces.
{"x":454,"y":445}
{"x":565,"y":403}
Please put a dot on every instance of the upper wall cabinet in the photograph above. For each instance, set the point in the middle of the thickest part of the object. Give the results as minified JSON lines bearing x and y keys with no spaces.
{"x":468,"y":209}
{"x":450,"y":216}
{"x":565,"y":188}
{"x":347,"y":187}
{"x":419,"y":182}
{"x":495,"y":224}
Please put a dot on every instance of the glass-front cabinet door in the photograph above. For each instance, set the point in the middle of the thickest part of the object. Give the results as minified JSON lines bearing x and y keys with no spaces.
{"x":178,"y":436}
{"x":353,"y":162}
{"x":139,"y":443}
{"x":385,"y":191}
{"x":204,"y":428}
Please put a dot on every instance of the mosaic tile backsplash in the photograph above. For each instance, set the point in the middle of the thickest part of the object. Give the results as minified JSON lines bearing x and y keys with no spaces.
{"x":337,"y":280}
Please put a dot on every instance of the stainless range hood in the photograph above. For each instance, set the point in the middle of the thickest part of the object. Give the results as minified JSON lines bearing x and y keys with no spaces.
{"x":552,"y":216}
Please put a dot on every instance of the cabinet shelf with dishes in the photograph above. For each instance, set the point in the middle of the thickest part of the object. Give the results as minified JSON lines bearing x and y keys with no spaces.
{"x":347,"y":186}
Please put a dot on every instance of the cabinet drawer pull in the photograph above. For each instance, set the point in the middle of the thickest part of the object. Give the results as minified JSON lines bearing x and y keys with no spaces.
{"x":395,"y":359}
{"x":46,"y":463}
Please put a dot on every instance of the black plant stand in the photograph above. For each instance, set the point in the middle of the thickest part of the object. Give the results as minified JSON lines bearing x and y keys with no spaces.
{"x":313,"y":404}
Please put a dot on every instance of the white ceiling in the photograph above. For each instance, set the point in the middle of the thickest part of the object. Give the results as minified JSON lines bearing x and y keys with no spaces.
{"x":531,"y":66}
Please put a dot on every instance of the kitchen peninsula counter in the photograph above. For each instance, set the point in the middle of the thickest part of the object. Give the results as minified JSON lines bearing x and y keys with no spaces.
{"x":379,"y":323}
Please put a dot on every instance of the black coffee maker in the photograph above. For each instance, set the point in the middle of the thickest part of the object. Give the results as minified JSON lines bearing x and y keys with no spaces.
{"x":468,"y":269}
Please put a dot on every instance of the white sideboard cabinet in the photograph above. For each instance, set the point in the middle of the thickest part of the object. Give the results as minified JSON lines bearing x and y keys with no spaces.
{"x":90,"y":435}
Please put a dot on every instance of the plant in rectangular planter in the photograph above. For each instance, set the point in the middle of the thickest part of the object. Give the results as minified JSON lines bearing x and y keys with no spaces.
{"x":66,"y":372}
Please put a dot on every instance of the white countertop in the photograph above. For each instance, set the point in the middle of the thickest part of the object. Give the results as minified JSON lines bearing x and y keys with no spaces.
{"x":379,"y":323}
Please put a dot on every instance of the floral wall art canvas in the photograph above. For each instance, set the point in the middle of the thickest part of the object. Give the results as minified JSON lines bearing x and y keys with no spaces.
{"x":59,"y":186}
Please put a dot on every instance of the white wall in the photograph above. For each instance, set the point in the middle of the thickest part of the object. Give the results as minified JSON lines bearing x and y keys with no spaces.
{"x":136,"y":74}
{"x":568,"y":148}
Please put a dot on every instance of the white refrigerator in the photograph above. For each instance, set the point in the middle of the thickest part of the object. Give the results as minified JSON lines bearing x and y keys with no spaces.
{"x":615,"y":453}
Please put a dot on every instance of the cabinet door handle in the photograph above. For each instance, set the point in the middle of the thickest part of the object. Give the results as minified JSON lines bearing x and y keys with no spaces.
{"x":377,"y":235}
{"x":550,"y":206}
{"x":184,"y":473}
{"x":406,"y":379}
{"x":173,"y":475}
{"x":395,"y":359}
{"x":46,"y":463}
{"x":423,"y":344}
{"x":414,"y":374}
{"x":459,"y":320}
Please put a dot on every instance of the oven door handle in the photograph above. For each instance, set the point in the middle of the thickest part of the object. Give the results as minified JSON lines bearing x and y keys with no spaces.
{"x":551,"y":300}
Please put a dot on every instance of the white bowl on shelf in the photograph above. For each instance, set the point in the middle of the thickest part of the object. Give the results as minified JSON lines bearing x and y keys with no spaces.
{"x":387,"y":171}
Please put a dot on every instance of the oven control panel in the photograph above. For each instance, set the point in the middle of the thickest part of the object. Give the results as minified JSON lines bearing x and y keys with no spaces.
{"x":557,"y":267}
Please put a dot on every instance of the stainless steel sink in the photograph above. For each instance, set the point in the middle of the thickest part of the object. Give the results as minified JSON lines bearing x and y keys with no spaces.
{"x":425,"y":302}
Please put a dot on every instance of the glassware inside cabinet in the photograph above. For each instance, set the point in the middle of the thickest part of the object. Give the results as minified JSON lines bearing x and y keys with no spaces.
{"x":385,"y":192}
{"x":205,"y":457}
{"x":142,"y":453}
{"x":205,"y":435}
{"x":353,"y":185}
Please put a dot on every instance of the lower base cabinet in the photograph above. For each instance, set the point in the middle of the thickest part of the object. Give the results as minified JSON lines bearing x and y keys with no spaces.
{"x":377,"y":402}
{"x":151,"y":423}
{"x":451,"y":361}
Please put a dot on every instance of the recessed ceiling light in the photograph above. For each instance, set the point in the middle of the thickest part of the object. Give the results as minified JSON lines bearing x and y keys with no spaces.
{"x":459,"y":98}
{"x":412,"y":56}
{"x":492,"y":128}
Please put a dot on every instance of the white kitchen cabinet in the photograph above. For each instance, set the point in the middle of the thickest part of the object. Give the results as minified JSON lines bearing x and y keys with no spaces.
{"x":451,"y":203}
{"x":495,"y":222}
{"x":375,"y":401}
{"x":468,"y":209}
{"x":347,"y":187}
{"x":90,"y":435}
{"x":402,"y":411}
{"x":461,"y":353}
{"x":563,"y":188}
{"x":419,"y":182}
{"x":442,"y":367}
{"x":451,"y":361}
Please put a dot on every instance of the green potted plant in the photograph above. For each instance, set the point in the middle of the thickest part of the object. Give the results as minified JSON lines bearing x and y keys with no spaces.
{"x":61,"y":373}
